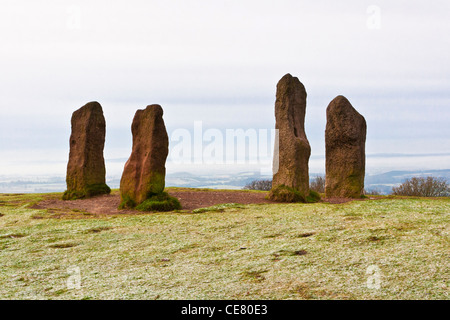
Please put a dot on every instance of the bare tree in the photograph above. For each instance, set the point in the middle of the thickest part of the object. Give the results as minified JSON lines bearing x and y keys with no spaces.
{"x":264,"y":185}
{"x":372,"y":192}
{"x":423,"y":187}
{"x":318,"y":184}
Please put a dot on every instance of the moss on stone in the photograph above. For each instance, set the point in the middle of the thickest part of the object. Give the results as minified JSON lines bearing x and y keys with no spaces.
{"x":127,"y":202}
{"x":160,"y":202}
{"x":73,"y":195}
{"x":156,"y":184}
{"x":284,"y":193}
{"x":87,"y":192}
{"x":346,"y":186}
{"x":97,"y":189}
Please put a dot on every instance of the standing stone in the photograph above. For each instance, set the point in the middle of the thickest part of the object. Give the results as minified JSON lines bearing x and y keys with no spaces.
{"x":145,"y":171}
{"x":345,"y":139}
{"x":86,"y":168}
{"x":291,"y":180}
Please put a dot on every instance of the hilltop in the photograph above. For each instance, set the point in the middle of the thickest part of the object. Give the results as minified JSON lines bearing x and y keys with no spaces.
{"x":252,"y":251}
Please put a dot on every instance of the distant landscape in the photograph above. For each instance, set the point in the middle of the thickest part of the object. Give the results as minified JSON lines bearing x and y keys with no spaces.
{"x":383,"y":171}
{"x":382,"y":183}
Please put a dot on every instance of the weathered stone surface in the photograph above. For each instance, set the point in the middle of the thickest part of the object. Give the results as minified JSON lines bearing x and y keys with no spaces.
{"x":345,"y":139}
{"x":293,"y":146}
{"x":145,"y":171}
{"x":86,"y":168}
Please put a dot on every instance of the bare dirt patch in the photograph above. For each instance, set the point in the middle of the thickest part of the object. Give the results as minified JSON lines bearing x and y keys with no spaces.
{"x":190,"y":199}
{"x":63,"y":245}
{"x":108,"y":204}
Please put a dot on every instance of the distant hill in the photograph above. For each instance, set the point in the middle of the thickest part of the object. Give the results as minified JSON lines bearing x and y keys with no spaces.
{"x":380,"y":182}
{"x":383,"y":183}
{"x":216,"y":181}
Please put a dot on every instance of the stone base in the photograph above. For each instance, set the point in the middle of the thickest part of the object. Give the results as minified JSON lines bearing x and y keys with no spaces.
{"x":157,"y":202}
{"x":283,"y":193}
{"x":87,"y":192}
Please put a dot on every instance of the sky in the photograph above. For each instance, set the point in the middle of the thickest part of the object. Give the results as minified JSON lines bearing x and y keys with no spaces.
{"x":218,"y":62}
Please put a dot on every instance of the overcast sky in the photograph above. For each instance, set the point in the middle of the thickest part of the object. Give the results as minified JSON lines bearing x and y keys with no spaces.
{"x":219,"y":62}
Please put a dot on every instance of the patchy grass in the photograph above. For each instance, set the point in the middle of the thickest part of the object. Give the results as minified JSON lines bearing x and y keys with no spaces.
{"x":24,"y":200}
{"x":265,"y":251}
{"x":98,"y":229}
{"x":12,"y":236}
{"x":254,"y":275}
{"x":63,"y":245}
{"x":219,"y":208}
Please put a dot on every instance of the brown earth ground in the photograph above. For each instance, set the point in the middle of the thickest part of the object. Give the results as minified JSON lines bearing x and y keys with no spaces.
{"x":190,"y":199}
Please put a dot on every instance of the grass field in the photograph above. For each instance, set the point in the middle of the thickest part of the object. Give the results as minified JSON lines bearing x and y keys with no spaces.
{"x":266,"y":251}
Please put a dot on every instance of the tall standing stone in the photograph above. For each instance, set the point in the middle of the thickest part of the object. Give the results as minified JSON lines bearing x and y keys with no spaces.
{"x":345,"y":139}
{"x":293,"y":149}
{"x":145,"y":171}
{"x":86,"y":168}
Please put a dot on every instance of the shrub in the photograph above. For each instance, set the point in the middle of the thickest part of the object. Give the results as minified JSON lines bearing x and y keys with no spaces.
{"x":371,"y":192}
{"x":423,"y":187}
{"x":160,"y":202}
{"x":318,"y":184}
{"x":264,"y":185}
{"x":313,"y":197}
